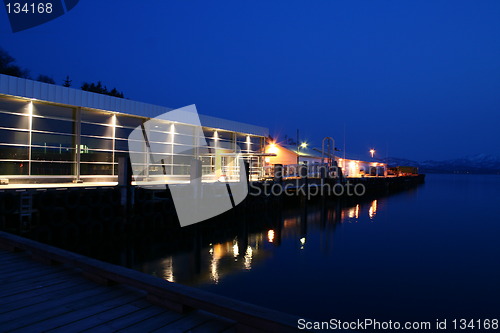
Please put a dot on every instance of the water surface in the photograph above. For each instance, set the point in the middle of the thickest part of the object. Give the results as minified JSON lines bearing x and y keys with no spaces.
{"x":427,"y":253}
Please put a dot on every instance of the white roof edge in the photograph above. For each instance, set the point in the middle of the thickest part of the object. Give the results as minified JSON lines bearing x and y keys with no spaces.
{"x":14,"y":86}
{"x":213,"y":122}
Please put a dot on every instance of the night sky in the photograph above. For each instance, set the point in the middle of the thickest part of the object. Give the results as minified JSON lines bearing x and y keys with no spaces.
{"x":413,"y":79}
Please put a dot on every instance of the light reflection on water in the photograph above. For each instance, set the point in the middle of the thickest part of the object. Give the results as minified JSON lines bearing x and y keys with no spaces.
{"x":226,"y":258}
{"x":410,"y":256}
{"x":373,"y":210}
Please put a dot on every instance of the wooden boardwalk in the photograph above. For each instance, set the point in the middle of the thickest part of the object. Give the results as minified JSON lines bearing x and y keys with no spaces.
{"x":35,"y":298}
{"x":61,"y":291}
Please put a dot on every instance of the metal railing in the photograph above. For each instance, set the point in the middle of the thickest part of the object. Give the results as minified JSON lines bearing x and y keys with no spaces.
{"x":315,"y":170}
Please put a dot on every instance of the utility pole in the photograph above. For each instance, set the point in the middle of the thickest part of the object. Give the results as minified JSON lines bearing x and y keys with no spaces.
{"x":298,"y":147}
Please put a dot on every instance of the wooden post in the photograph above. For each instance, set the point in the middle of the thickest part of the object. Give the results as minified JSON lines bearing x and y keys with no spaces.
{"x":303,"y":170}
{"x":278,"y":173}
{"x":125,"y":181}
{"x":303,"y":173}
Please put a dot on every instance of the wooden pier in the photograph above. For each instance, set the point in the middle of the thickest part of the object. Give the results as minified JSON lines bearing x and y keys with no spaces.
{"x":53,"y":293}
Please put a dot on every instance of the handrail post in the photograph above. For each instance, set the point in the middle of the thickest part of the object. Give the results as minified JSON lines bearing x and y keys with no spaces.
{"x":278,"y":173}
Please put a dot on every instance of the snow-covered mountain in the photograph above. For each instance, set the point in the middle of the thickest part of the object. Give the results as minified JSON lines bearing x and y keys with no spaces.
{"x":479,"y":163}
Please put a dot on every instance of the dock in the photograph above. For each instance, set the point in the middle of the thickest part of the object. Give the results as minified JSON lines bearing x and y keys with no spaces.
{"x":49,"y":289}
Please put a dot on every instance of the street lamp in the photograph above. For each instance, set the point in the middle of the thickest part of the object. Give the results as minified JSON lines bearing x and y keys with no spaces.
{"x":272,"y":148}
{"x":372,"y":152}
{"x":303,"y":145}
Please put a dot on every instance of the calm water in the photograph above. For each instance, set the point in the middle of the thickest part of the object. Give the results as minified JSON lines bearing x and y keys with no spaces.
{"x":428,"y":253}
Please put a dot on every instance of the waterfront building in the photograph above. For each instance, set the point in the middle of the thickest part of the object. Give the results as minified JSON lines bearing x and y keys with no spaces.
{"x":287,"y":155}
{"x":351,"y":167}
{"x":50,"y":133}
{"x":355,"y":168}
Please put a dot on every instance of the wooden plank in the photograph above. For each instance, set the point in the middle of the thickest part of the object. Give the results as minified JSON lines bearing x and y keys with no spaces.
{"x":41,"y":303}
{"x":153,"y":322}
{"x":123,"y":310}
{"x":10,"y":269}
{"x":4,"y":254}
{"x":231,"y":329}
{"x":36,"y":282}
{"x":65,"y":286}
{"x":124,"y":321}
{"x":186,"y":323}
{"x":26,"y":272}
{"x":12,"y":257}
{"x":15,"y":258}
{"x":73,"y":316}
{"x":13,"y":263}
{"x":64,"y":305}
{"x":31,"y":275}
{"x":45,"y":292}
{"x":250,"y":315}
{"x":18,"y":258}
{"x":8,"y":256}
{"x":213,"y":325}
{"x":41,"y":300}
{"x":242,"y":328}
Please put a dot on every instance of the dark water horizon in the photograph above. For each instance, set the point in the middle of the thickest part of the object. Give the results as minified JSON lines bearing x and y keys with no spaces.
{"x":428,"y":253}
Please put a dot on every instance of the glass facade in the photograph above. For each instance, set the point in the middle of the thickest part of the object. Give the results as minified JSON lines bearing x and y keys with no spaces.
{"x":43,"y":139}
{"x":53,"y":142}
{"x":14,"y":137}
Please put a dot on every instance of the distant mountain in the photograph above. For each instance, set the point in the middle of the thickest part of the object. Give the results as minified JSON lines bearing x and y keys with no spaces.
{"x":479,"y":163}
{"x":395,"y":161}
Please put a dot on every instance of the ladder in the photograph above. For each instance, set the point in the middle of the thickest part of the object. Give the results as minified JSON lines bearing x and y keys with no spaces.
{"x":25,"y":211}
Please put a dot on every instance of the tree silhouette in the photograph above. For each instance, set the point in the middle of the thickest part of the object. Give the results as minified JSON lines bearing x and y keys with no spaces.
{"x":8,"y":66}
{"x":45,"y":79}
{"x":101,"y":89}
{"x":116,"y":93}
{"x":67,"y":82}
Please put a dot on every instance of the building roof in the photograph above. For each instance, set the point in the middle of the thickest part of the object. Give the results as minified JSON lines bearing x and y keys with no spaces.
{"x":14,"y":86}
{"x":304,"y":152}
{"x":358,"y":157}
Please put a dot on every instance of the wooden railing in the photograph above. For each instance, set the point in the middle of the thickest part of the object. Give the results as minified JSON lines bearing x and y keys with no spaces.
{"x":177,"y":297}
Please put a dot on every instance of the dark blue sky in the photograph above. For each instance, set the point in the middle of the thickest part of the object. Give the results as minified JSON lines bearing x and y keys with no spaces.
{"x":420,"y":79}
